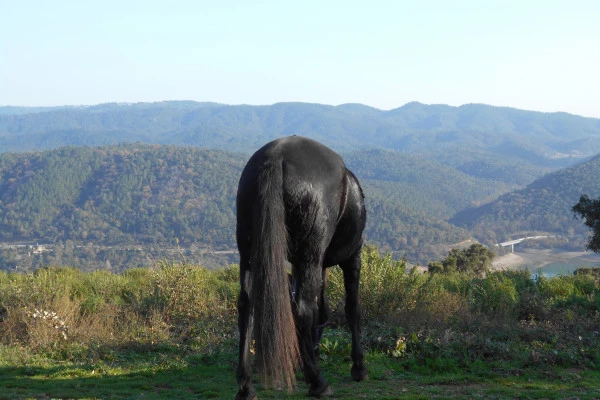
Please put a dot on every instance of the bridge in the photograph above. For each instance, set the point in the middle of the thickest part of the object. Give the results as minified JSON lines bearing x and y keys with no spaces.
{"x":512,"y":243}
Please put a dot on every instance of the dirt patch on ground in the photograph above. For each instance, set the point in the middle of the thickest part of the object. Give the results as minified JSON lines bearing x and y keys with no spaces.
{"x":507,"y":261}
{"x":538,"y":259}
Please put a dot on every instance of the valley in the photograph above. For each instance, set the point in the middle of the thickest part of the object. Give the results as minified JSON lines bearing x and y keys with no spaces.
{"x":118,"y":186}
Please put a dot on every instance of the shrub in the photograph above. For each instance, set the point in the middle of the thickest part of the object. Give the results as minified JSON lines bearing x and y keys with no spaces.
{"x":594,"y":272}
{"x":475,"y":260}
{"x":436,"y":304}
{"x":556,"y":289}
{"x":169,"y":302}
{"x":229,"y":274}
{"x":384,"y":286}
{"x":495,"y":295}
{"x":391,"y":294}
{"x":182,"y":292}
{"x":414,"y":317}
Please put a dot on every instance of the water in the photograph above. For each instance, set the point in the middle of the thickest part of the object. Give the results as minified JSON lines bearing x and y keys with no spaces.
{"x":555,"y":269}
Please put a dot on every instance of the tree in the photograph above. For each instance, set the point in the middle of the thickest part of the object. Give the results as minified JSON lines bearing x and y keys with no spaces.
{"x":435,"y":267}
{"x":475,"y":260}
{"x":589,"y":209}
{"x":479,"y":259}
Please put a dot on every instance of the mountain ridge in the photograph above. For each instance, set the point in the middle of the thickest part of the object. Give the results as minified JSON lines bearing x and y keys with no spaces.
{"x":412,"y":127}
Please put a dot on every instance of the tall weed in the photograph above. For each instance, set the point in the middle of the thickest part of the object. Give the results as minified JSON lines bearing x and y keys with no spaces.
{"x":413,"y":316}
{"x":391,"y":294}
{"x":171,"y":302}
{"x":495,"y":295}
{"x":384,"y":286}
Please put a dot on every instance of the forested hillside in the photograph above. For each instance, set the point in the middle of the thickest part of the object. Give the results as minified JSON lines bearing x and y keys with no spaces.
{"x":168,"y":197}
{"x":117,"y":205}
{"x":544,"y":206}
{"x":419,"y":183}
{"x":135,"y":193}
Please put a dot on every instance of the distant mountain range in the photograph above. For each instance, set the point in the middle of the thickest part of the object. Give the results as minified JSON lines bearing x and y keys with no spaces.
{"x":434,"y":175}
{"x":480,"y":131}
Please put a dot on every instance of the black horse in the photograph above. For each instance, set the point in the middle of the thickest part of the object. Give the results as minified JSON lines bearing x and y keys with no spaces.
{"x":298,"y":207}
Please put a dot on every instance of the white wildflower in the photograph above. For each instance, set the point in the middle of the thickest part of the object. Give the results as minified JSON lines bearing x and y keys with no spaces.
{"x":51,"y":316}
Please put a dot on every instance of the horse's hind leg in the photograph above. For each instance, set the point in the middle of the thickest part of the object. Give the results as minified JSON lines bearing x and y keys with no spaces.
{"x":306,"y":309}
{"x":245,"y":319}
{"x":351,"y":269}
{"x":323,"y":313}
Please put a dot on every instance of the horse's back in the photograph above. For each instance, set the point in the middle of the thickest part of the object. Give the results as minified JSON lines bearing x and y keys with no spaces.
{"x":303,"y":157}
{"x":308,"y":168}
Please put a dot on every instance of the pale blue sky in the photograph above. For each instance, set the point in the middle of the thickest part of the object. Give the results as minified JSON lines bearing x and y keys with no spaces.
{"x":535,"y":55}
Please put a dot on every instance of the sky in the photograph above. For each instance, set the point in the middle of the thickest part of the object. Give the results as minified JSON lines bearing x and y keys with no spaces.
{"x":527,"y":54}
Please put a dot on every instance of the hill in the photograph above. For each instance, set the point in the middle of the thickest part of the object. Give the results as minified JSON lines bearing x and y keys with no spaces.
{"x":543,"y":206}
{"x":424,"y":184}
{"x":153,"y":193}
{"x":463,"y":137}
{"x":117,"y":204}
{"x":138,"y":197}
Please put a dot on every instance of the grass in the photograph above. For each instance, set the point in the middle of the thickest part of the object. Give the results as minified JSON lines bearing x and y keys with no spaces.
{"x":170,"y":372}
{"x":170,"y":331}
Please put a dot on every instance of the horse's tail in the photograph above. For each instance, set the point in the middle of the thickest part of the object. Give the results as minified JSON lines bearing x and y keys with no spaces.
{"x":276,"y":343}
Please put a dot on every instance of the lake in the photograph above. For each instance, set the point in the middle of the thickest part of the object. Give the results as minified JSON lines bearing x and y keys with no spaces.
{"x":548,"y":262}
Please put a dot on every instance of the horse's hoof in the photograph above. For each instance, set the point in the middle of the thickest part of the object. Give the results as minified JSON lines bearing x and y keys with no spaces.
{"x":320,"y":389}
{"x":359,"y":373}
{"x":246,"y":395}
{"x":321,"y":392}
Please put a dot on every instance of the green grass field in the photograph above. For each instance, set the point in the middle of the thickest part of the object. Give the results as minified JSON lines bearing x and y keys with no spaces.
{"x":170,"y":332}
{"x":179,"y":374}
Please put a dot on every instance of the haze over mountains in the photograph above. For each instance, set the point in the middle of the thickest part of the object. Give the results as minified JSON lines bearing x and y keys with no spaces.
{"x":413,"y":127}
{"x":434,"y":175}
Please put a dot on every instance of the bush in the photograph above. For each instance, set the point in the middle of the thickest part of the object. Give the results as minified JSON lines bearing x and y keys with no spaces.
{"x":170,"y":302}
{"x":475,"y":260}
{"x":411,"y":316}
{"x":436,"y":304}
{"x":495,"y":295}
{"x":594,"y":272}
{"x":384,"y":287}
